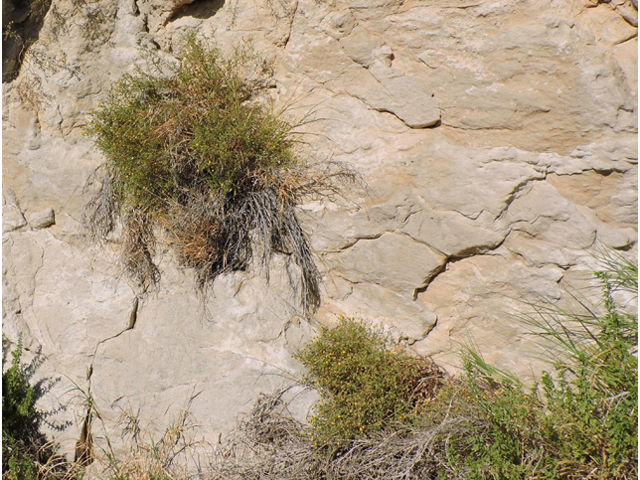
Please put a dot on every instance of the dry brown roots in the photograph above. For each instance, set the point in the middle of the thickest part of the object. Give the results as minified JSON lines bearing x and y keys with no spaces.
{"x":272,"y":445}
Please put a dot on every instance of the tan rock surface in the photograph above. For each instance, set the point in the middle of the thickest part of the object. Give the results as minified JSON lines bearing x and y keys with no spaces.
{"x":498,"y":141}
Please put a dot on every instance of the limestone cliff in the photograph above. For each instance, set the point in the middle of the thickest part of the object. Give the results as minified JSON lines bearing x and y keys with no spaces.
{"x":498,"y":140}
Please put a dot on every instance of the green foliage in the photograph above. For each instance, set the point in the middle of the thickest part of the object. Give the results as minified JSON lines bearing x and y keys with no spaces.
{"x":20,"y":465}
{"x":19,"y":416}
{"x":19,"y":420}
{"x":366,"y":382}
{"x":582,"y":421}
{"x":26,"y":453}
{"x":167,"y":134}
{"x":596,"y":392}
{"x":501,"y":438}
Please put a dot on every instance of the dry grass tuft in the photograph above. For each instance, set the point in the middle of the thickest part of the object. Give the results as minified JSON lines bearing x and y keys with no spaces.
{"x":173,"y":456}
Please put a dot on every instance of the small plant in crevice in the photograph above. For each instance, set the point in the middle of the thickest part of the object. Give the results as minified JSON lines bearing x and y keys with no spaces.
{"x":366,"y":382}
{"x":19,"y":421}
{"x":369,"y":422}
{"x":595,"y":384}
{"x":193,"y":154}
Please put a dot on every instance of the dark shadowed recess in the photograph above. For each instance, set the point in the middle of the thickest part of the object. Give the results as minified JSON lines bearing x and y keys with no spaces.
{"x":198,"y":9}
{"x":21,"y":24}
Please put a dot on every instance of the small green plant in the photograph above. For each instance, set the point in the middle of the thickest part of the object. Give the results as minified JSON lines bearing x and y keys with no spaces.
{"x":595,"y":386}
{"x":19,"y":421}
{"x":24,"y":448}
{"x":193,"y":153}
{"x":366,"y":382}
{"x":580,"y":422}
{"x":19,"y":416}
{"x":26,"y":453}
{"x":502,"y":437}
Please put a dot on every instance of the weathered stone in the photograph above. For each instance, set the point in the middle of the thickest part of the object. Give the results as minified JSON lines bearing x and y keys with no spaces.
{"x":629,"y":13}
{"x":12,"y":218}
{"x":42,"y":219}
{"x":432,"y":58}
{"x":332,"y":230}
{"x":530,"y":166}
{"x":537,"y":252}
{"x":613,"y":236}
{"x":394,"y":261}
{"x":477,"y":301}
{"x":451,"y":233}
{"x":338,"y":24}
{"x":592,"y":190}
{"x":409,"y":320}
{"x":626,"y":55}
{"x":476,"y":184}
{"x":542,"y":212}
{"x":406,"y":97}
{"x":607,"y":25}
{"x":360,"y":45}
{"x":34,"y":135}
{"x":413,"y":100}
{"x":237,"y":343}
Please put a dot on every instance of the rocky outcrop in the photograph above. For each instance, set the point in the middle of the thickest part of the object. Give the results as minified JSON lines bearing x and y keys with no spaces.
{"x":498,"y":141}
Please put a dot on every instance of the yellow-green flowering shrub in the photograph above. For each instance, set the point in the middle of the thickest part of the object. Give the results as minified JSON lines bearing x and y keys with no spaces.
{"x":366,"y":382}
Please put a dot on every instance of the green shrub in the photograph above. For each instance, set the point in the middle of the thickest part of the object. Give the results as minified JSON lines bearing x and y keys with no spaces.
{"x":192,"y":152}
{"x":166,"y":135}
{"x":26,"y":453}
{"x":366,"y":382}
{"x":503,"y":439}
{"x":581,"y":422}
{"x":19,"y":421}
{"x":375,"y":421}
{"x":595,"y":388}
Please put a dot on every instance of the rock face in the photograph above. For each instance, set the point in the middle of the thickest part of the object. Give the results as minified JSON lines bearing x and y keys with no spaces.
{"x":498,"y":141}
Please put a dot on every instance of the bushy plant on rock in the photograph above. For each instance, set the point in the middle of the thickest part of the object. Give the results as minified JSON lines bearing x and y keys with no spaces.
{"x":193,"y":153}
{"x":366,"y":382}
